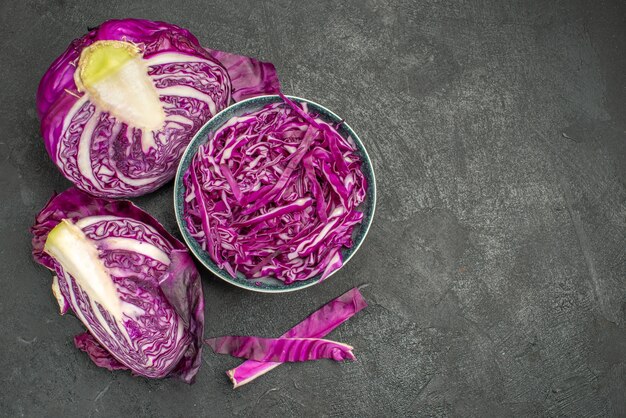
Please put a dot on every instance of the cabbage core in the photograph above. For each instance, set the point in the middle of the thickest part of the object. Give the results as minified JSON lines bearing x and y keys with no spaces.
{"x":79,"y":257}
{"x":114,"y":76}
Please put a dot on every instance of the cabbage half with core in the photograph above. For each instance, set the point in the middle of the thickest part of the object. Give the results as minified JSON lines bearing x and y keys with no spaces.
{"x":133,"y":285}
{"x":120,"y":105}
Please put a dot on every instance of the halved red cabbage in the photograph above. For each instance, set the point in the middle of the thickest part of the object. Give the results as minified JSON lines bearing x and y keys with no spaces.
{"x":319,"y":324}
{"x":133,"y":285}
{"x":281,"y":349}
{"x":120,"y":105}
{"x":274,"y":193}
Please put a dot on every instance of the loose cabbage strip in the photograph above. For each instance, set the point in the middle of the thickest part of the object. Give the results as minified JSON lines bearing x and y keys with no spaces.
{"x":281,"y":349}
{"x":319,"y":324}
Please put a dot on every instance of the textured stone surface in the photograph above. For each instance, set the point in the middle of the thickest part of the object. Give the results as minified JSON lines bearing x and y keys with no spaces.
{"x":497,"y":261}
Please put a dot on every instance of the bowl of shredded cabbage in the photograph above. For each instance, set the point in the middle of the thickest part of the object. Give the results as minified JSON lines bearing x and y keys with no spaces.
{"x":275,"y":194}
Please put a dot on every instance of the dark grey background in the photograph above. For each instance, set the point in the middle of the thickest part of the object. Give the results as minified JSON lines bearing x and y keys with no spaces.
{"x":496,"y":262}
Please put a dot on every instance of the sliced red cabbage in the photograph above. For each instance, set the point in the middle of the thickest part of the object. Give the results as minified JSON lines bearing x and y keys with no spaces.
{"x":281,"y":349}
{"x":319,"y":324}
{"x":132,"y":285}
{"x":120,"y":105}
{"x":274,"y":193}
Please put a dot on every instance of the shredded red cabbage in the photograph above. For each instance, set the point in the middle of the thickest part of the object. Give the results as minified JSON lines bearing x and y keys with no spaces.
{"x":274,"y":194}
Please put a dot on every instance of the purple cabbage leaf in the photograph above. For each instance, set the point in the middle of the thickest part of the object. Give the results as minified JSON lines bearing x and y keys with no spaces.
{"x":281,"y":349}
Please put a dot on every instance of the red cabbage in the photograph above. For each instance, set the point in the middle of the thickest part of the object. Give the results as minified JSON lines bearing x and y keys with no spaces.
{"x":98,"y":354}
{"x":133,"y":285}
{"x":120,"y":105}
{"x":274,"y":193}
{"x":281,"y":349}
{"x":319,"y":324}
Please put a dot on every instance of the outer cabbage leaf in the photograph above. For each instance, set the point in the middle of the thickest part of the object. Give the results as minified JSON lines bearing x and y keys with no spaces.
{"x":319,"y":324}
{"x":98,"y":354}
{"x":281,"y":349}
{"x":274,"y":193}
{"x":154,"y":277}
{"x":105,"y":155}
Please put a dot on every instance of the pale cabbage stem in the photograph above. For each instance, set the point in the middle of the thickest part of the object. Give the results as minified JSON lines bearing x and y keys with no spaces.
{"x":115,"y":77}
{"x":79,"y":257}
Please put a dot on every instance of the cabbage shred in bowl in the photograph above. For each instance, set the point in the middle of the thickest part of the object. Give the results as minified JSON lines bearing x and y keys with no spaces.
{"x":275,"y":192}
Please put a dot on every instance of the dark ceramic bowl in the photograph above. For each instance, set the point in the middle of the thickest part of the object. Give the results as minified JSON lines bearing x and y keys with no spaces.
{"x":270,"y":285}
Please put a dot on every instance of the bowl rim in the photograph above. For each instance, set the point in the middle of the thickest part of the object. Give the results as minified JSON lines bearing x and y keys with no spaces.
{"x":195,"y":143}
